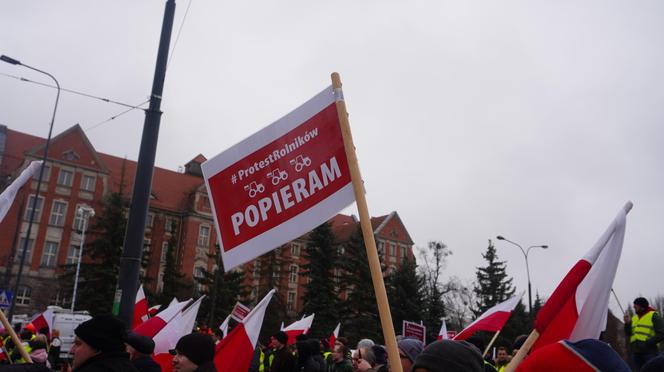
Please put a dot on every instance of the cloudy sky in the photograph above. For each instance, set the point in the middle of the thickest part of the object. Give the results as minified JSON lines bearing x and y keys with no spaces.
{"x":529,"y":119}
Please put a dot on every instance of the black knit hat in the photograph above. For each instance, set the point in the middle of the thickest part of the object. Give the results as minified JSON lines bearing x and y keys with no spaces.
{"x":197,"y":347}
{"x":281,"y":336}
{"x":450,"y":356}
{"x":103,"y":333}
{"x":641,"y":301}
{"x":142,"y":344}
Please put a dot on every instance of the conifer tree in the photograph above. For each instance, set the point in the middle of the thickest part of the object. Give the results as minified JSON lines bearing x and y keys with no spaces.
{"x":174,"y":282}
{"x":320,"y":295}
{"x":360,"y":311}
{"x":222,"y":290}
{"x":405,"y":292}
{"x":493,"y":286}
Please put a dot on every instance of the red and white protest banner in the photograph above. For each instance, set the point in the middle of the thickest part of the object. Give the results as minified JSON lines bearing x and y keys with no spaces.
{"x":239,"y":311}
{"x":414,"y":330}
{"x":281,"y":182}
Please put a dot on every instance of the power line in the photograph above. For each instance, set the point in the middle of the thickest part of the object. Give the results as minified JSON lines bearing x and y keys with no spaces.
{"x":177,"y":38}
{"x":107,"y":100}
{"x":116,"y":116}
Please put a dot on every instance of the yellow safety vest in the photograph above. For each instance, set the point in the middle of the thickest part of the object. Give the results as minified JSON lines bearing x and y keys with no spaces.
{"x":327,"y":354}
{"x":643,"y":328}
{"x":261,"y":359}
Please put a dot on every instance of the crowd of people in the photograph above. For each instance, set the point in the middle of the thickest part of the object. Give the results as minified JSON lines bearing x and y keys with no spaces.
{"x":104,"y":344}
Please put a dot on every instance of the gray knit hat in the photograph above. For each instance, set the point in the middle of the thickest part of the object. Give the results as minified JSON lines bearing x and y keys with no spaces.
{"x":450,"y":356}
{"x":411,"y":347}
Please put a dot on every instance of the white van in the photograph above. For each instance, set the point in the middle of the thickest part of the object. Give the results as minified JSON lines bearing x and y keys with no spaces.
{"x":65,"y":321}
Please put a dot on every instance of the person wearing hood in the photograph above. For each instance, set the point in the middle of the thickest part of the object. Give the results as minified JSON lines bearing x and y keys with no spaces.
{"x":645,"y":331}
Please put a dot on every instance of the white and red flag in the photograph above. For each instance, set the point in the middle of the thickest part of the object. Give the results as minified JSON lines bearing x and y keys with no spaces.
{"x":491,"y":320}
{"x":8,"y":195}
{"x":152,"y":311}
{"x":239,"y":311}
{"x":284,"y":180}
{"x":224,"y":326}
{"x":300,"y":327}
{"x":234,"y":352}
{"x":43,"y":320}
{"x":152,"y":326}
{"x":166,"y":339}
{"x":140,"y":308}
{"x":442,"y":334}
{"x":334,"y":336}
{"x":577,"y":309}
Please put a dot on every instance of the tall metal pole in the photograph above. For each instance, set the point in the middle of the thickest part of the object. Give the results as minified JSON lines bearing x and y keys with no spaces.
{"x":133,"y":243}
{"x":39,"y":183}
{"x":525,"y":256}
{"x":85,"y":214}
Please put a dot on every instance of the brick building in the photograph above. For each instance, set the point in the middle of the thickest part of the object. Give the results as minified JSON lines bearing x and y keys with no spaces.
{"x":78,"y":175}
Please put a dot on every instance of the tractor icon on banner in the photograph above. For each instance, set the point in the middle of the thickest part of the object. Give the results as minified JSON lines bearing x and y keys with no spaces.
{"x":254,"y":188}
{"x":277,"y":176}
{"x":300,"y":162}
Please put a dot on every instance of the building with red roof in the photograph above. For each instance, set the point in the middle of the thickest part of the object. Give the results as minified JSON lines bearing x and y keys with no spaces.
{"x":77,"y":175}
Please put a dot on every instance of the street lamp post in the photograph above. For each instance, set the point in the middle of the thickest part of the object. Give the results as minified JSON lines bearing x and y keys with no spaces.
{"x":525,"y":255}
{"x":39,"y":180}
{"x":85,"y":213}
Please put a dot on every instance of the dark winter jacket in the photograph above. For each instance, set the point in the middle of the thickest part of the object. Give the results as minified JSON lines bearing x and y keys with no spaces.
{"x":207,"y":367}
{"x":283,"y":361}
{"x":107,"y":362}
{"x":146,"y":364}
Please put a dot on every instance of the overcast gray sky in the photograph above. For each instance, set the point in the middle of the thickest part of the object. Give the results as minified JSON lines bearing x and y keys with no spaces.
{"x":530,"y":119}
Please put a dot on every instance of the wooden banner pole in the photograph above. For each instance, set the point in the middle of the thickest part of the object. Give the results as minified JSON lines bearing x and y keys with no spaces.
{"x":491,"y":343}
{"x":367,"y":231}
{"x":17,"y":343}
{"x":521,"y":354}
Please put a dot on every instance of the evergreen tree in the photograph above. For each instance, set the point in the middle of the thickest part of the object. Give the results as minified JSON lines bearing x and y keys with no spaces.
{"x":493,"y":285}
{"x":405,"y":293}
{"x":359,"y":308}
{"x":267,"y":273}
{"x":518,"y":324}
{"x":100,"y":259}
{"x":223,"y":289}
{"x":320,"y":295}
{"x":174,"y":282}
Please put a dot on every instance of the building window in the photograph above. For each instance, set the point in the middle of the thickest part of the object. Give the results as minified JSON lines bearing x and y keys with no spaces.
{"x":341,"y":250}
{"x":61,"y":298}
{"x":23,"y":296}
{"x":149,"y":221}
{"x":203,"y":236}
{"x":50,"y":254}
{"x":404,"y":252}
{"x":47,"y":172}
{"x":58,"y":212}
{"x":72,"y":254}
{"x":88,"y":183}
{"x":336,"y":275}
{"x":256,"y":270}
{"x":28,"y":252}
{"x":164,"y":252}
{"x":381,"y":248}
{"x":37,"y":206}
{"x":295,"y":249}
{"x":65,"y":178}
{"x":290,"y":303}
{"x":292,"y":275}
{"x":393,"y":250}
{"x":169,"y":225}
{"x":147,"y":243}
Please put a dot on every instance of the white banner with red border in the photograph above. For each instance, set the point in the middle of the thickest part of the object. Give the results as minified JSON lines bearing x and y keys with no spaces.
{"x":279,"y":183}
{"x":239,"y":311}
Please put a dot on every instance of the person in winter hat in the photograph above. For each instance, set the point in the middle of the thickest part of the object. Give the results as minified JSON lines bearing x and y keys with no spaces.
{"x":100,"y":346}
{"x":194,"y":353}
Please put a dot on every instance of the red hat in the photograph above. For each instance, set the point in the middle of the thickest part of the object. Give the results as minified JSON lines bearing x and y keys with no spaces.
{"x":30,"y":327}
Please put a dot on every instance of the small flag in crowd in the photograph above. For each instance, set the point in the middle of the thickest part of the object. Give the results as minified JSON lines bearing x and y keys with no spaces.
{"x":299,"y":327}
{"x":140,"y":308}
{"x":334,"y":335}
{"x":492,"y":320}
{"x":442,"y":334}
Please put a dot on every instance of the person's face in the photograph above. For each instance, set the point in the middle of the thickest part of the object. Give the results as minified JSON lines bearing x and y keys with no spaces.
{"x":131,"y":351}
{"x":182,"y":364}
{"x":639,"y":309}
{"x":81,"y":352}
{"x":406,"y":364}
{"x":502,"y":356}
{"x":355,"y":359}
{"x":337,"y":354}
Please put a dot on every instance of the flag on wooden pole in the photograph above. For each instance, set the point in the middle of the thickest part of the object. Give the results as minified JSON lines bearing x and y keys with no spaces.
{"x":491,"y":320}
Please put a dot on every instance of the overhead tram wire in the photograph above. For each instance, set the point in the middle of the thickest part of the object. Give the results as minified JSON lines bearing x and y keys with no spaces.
{"x":107,"y":100}
{"x":131,"y":108}
{"x":177,"y":37}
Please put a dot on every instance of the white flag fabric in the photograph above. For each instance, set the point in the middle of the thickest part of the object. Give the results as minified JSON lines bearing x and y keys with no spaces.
{"x":7,"y":196}
{"x":224,"y":326}
{"x":442,"y":334}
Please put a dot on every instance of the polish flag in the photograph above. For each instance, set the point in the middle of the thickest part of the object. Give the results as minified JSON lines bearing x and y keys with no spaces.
{"x":300,"y":327}
{"x":442,"y":334}
{"x":492,"y":320}
{"x":43,"y":320}
{"x":140,"y":308}
{"x":153,"y":310}
{"x":334,"y":336}
{"x":224,"y":326}
{"x":577,"y":308}
{"x":153,"y":325}
{"x":8,"y":195}
{"x":166,"y":339}
{"x":234,"y":352}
